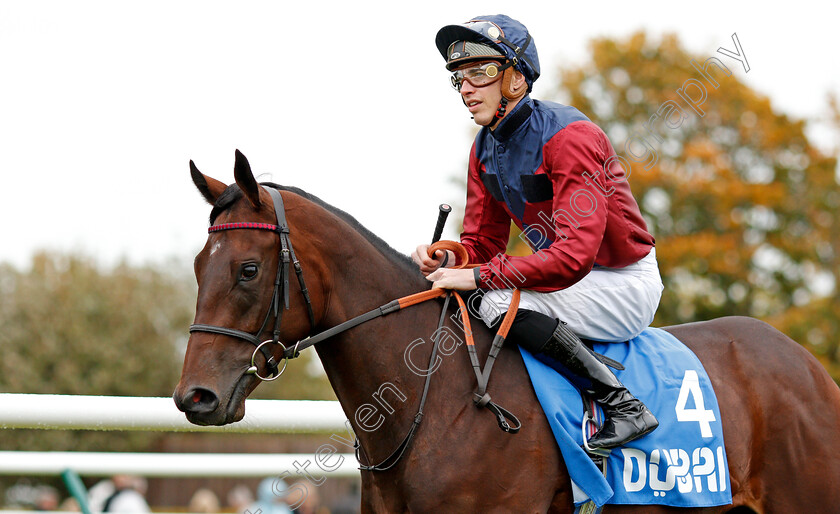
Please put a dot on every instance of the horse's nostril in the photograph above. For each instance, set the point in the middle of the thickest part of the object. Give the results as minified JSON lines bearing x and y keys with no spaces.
{"x":199,"y":400}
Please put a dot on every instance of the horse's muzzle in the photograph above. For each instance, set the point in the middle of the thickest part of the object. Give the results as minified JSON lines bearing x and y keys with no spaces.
{"x":202,"y":407}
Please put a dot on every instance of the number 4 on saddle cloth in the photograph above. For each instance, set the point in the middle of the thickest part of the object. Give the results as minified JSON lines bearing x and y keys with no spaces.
{"x":681,"y":464}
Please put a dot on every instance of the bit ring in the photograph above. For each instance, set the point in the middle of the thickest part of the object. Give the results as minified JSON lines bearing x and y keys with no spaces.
{"x":253,"y":370}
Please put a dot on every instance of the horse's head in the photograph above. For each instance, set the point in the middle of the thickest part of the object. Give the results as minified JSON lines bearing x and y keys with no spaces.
{"x":242,"y":281}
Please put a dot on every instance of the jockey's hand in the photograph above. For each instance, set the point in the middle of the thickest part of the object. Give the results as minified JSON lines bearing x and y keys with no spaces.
{"x":420,"y":256}
{"x":445,"y":278}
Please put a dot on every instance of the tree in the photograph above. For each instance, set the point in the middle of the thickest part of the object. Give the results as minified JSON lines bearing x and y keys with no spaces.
{"x":741,"y":203}
{"x":68,"y":326}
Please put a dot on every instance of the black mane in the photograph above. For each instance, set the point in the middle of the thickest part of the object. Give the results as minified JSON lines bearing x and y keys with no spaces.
{"x":233,"y":194}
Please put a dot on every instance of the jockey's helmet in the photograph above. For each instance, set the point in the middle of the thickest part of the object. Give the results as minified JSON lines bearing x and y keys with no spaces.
{"x":487,"y":38}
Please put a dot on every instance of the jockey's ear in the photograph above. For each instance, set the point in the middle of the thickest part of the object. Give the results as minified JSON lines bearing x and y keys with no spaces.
{"x":514,"y":85}
{"x":209,"y":187}
{"x":245,"y":180}
{"x":519,"y":83}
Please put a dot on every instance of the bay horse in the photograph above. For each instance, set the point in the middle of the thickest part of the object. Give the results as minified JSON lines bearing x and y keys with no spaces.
{"x":780,"y":408}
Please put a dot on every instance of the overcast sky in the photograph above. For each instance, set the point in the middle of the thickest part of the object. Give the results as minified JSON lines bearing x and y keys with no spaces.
{"x":103,"y":104}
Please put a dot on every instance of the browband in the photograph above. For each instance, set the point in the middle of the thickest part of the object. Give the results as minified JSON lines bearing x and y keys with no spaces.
{"x":232,"y":226}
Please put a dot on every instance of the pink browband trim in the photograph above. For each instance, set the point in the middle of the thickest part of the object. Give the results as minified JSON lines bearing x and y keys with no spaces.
{"x":231,"y":226}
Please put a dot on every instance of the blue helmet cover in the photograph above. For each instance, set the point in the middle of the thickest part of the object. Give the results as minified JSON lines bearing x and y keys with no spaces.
{"x":487,"y":30}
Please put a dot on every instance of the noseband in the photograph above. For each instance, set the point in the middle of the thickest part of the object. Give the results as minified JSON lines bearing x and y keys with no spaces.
{"x":281,"y":288}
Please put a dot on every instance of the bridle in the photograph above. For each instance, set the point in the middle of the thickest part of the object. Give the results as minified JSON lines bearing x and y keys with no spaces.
{"x":281,"y":288}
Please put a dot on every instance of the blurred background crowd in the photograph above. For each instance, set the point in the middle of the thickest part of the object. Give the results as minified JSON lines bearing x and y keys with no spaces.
{"x":130,"y":494}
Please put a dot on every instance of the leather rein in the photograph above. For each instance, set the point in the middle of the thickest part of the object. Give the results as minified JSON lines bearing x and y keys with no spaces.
{"x":506,"y":420}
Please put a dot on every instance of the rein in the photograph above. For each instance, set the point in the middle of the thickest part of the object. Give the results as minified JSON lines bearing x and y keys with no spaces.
{"x":388,"y":308}
{"x":281,"y":288}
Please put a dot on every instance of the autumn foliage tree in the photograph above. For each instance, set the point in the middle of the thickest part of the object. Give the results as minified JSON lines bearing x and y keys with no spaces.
{"x":743,"y":206}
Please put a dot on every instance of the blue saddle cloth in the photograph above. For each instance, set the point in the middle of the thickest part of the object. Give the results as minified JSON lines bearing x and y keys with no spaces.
{"x":681,"y":464}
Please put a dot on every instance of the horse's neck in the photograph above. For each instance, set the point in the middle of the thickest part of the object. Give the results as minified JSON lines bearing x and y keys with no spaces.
{"x":366,"y":365}
{"x":364,"y":278}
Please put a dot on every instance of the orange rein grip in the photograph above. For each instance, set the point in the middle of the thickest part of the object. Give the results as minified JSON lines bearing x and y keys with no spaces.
{"x":414,"y":299}
{"x":465,"y":319}
{"x":510,"y":315}
{"x":462,"y":255}
{"x":457,"y":248}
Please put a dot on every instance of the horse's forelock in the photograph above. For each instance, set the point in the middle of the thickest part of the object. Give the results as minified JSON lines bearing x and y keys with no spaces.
{"x":225,"y":200}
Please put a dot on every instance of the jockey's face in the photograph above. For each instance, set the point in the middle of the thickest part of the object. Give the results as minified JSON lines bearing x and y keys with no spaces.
{"x":482,"y":102}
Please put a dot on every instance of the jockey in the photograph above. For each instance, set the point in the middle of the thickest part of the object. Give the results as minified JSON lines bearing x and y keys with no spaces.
{"x":554,"y":173}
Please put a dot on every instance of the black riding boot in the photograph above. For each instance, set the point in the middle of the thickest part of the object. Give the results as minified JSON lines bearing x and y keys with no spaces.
{"x":627,"y":418}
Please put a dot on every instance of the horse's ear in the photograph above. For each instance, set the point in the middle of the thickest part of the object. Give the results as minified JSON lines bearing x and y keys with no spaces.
{"x":245,"y":180}
{"x":209,"y":187}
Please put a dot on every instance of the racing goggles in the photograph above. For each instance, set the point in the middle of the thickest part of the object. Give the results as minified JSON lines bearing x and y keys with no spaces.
{"x":478,"y":76}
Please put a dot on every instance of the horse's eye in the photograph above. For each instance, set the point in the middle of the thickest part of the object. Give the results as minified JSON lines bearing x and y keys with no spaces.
{"x":249,"y":271}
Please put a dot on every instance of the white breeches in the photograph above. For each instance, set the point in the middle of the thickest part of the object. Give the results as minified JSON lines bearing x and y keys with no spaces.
{"x":608,"y":304}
